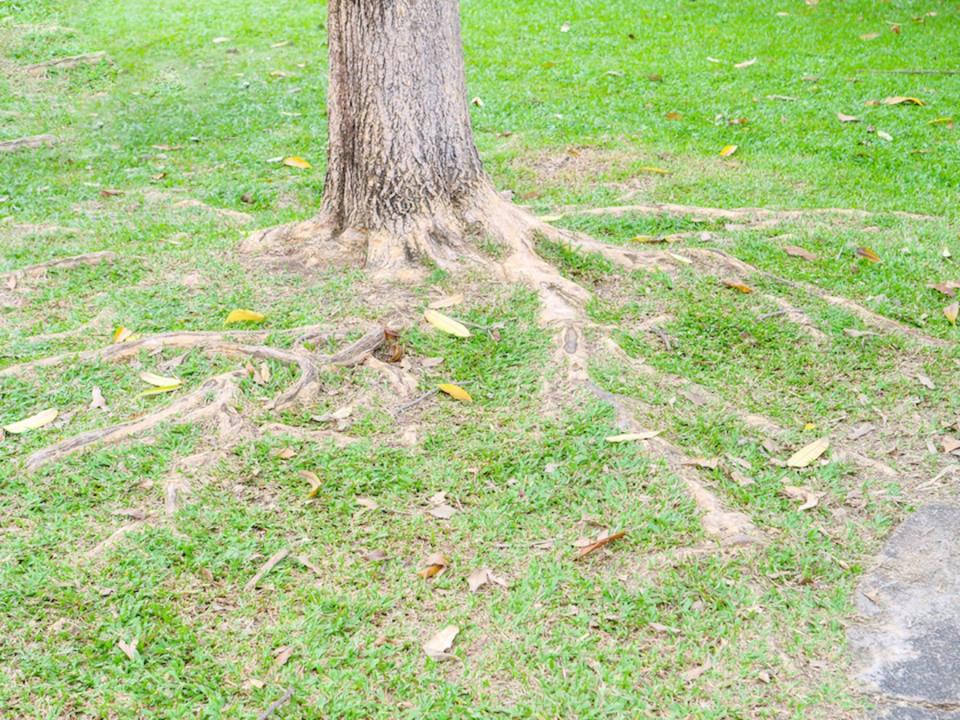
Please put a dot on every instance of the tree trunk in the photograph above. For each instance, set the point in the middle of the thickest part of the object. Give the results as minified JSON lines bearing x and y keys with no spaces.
{"x":402,"y":165}
{"x":404,"y":180}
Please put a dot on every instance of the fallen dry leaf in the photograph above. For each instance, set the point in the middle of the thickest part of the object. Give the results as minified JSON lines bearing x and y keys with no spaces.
{"x":794,"y":251}
{"x":884,"y":135}
{"x":601,"y":542}
{"x":239,"y":316}
{"x":951,"y":311}
{"x":926,"y":381}
{"x":129,"y":648}
{"x":728,"y":150}
{"x":122,"y":334}
{"x":282,"y":654}
{"x":284,"y":453}
{"x":810,"y":498}
{"x":456,"y":392}
{"x":807,"y":454}
{"x":367,"y":503}
{"x":653,"y":170}
{"x":374,"y":556}
{"x":870,"y":36}
{"x":297,"y":162}
{"x":950,"y":445}
{"x":737,"y":285}
{"x":868,"y":254}
{"x":446,"y":324}
{"x":437,"y":646}
{"x":160,"y":381}
{"x":431,"y":362}
{"x":314,"y":480}
{"x":847,"y":118}
{"x":339,"y":414}
{"x":433,"y":566}
{"x":34,"y":422}
{"x":745,"y":63}
{"x":901,"y":100}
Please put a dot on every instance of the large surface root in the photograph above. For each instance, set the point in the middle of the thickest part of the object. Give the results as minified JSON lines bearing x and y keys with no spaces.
{"x":215,"y":399}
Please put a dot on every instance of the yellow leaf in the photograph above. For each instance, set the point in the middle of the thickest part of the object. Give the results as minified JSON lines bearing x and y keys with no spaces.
{"x":630,"y":437}
{"x":951,"y":311}
{"x":297,"y":162}
{"x":122,"y":334}
{"x":445,"y":324}
{"x":159,"y":390}
{"x":33,"y":422}
{"x":314,"y":480}
{"x":734,"y":285}
{"x":728,"y":150}
{"x":239,"y":316}
{"x":456,"y":392}
{"x":653,"y":170}
{"x":809,"y":426}
{"x":901,"y":100}
{"x":648,"y":239}
{"x":868,"y":254}
{"x":807,"y":454}
{"x":941,"y":121}
{"x":160,"y":381}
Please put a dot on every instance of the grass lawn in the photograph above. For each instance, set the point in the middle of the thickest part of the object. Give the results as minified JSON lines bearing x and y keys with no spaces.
{"x":162,"y":158}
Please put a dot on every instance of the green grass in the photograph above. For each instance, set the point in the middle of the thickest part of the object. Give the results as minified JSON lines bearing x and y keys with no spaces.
{"x":632,"y":631}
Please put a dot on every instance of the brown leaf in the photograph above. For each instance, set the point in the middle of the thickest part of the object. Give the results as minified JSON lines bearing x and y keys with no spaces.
{"x":437,"y":646}
{"x":431,"y":362}
{"x":583,"y":552}
{"x":737,"y":285}
{"x":433,"y":566}
{"x":284,"y":453}
{"x":794,"y":251}
{"x":868,"y":254}
{"x":374,"y":556}
{"x":810,"y":498}
{"x":847,"y":118}
{"x":282,"y":654}
{"x":902,"y":100}
{"x":950,"y":445}
{"x":314,"y":480}
{"x":951,"y":311}
{"x":673,"y":115}
{"x":926,"y":381}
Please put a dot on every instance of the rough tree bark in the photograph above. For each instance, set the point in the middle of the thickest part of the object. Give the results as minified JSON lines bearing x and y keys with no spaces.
{"x":404,"y":181}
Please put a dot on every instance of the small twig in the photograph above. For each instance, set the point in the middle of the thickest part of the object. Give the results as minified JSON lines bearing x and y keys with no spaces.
{"x":267,"y":567}
{"x":309,"y":565}
{"x":277,"y":705}
{"x":413,"y":403}
{"x":599,"y":544}
{"x":768,"y":315}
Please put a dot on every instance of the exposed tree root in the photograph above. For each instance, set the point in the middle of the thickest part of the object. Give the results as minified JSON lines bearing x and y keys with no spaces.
{"x":726,"y":526}
{"x":65,"y":63}
{"x":746,"y":216}
{"x":27,"y":143}
{"x":797,"y":317}
{"x":38,"y":270}
{"x":215,"y":398}
{"x":204,"y":403}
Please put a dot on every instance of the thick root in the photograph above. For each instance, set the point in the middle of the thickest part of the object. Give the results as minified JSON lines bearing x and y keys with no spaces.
{"x":65,"y":63}
{"x":214,"y":399}
{"x":206,"y":402}
{"x":726,"y":526}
